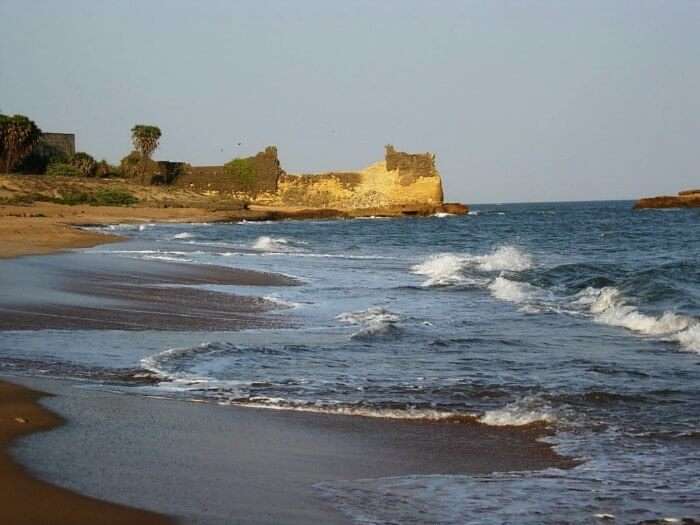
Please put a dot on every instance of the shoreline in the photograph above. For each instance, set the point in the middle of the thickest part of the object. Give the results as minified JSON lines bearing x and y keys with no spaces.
{"x":29,"y":500}
{"x":41,"y":228}
{"x":305,"y":448}
{"x":210,"y":464}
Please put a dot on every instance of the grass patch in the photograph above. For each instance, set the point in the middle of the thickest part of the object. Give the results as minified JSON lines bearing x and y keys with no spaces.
{"x":102,"y":197}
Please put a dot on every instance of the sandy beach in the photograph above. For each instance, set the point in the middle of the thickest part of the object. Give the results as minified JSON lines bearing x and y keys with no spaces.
{"x":203,"y":463}
{"x":42,"y":228}
{"x":27,"y":500}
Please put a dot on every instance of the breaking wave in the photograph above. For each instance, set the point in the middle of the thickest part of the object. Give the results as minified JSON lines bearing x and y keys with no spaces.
{"x":511,"y":291}
{"x":526,"y":411}
{"x":504,"y":258}
{"x":281,"y":303}
{"x":408,"y":413}
{"x":608,"y":306}
{"x":275,"y":244}
{"x":374,"y":322}
{"x":441,"y":270}
{"x":449,"y":269}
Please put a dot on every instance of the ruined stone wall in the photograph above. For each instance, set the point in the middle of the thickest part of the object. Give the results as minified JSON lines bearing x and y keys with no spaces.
{"x":401,"y":179}
{"x":260,"y":177}
{"x":63,"y":142}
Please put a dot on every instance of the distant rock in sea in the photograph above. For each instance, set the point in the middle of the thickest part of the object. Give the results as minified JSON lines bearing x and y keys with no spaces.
{"x":684,"y":199}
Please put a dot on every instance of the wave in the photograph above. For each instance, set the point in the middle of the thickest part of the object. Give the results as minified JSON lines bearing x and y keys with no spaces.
{"x":375,"y":322}
{"x":408,"y":413}
{"x":504,"y":258}
{"x":441,"y":270}
{"x":511,"y":291}
{"x":442,"y":214}
{"x":449,"y":269}
{"x":281,"y":303}
{"x":608,"y":306}
{"x":526,"y":411}
{"x":183,"y":235}
{"x":272,"y":244}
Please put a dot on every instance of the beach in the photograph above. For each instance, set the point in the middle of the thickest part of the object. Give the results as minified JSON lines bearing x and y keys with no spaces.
{"x":203,"y":463}
{"x":411,"y":371}
{"x":109,"y":452}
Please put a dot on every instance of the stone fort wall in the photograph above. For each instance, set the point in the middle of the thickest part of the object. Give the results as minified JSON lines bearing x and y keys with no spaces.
{"x":400,"y":179}
{"x":63,"y":142}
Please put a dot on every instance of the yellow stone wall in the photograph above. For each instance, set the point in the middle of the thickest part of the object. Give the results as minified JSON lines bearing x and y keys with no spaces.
{"x":375,"y":186}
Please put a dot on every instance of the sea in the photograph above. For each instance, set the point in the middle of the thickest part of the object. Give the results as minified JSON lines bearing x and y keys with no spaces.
{"x":583,"y":318}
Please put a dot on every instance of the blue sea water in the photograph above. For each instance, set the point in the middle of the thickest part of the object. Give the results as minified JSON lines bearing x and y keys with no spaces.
{"x":584,"y":317}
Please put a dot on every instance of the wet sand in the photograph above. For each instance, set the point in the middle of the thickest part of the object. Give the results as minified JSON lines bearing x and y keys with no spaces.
{"x":210,"y":464}
{"x":93,"y":292}
{"x":27,"y":500}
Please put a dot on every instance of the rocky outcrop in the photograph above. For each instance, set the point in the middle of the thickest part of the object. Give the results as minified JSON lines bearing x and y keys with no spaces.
{"x":684,"y":199}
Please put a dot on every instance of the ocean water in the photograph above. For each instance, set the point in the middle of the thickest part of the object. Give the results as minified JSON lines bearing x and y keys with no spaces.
{"x":584,"y":317}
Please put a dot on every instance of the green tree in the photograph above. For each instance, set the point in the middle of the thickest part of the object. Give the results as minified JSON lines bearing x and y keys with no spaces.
{"x":18,"y":134}
{"x":145,"y":139}
{"x":243,"y":172}
{"x":85,"y":163}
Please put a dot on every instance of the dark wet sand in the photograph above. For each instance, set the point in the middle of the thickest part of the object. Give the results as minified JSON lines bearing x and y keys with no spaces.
{"x":79,"y":291}
{"x":26,"y":500}
{"x":211,"y":464}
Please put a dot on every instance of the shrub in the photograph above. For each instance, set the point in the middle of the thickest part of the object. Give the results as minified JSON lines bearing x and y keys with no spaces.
{"x":113,"y":197}
{"x":84,"y":163}
{"x":243,"y":171}
{"x":62,"y":169}
{"x":104,"y":169}
{"x":72,"y":198}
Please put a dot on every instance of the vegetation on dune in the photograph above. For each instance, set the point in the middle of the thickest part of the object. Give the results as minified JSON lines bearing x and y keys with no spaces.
{"x":73,"y":197}
{"x":18,"y":135}
{"x":113,"y":197}
{"x":63,"y":169}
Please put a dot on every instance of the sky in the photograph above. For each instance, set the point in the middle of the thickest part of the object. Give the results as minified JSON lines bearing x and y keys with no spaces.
{"x":520,"y":101}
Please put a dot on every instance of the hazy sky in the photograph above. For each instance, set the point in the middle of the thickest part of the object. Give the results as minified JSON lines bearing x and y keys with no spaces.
{"x":521,"y":101}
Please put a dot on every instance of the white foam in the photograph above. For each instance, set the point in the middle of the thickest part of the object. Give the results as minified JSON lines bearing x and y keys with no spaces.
{"x":689,"y":338}
{"x":280,"y":302}
{"x":525,"y":411}
{"x":374,"y":313}
{"x":275,"y":244}
{"x":512,"y":291}
{"x":473,"y":212}
{"x":608,"y":306}
{"x":504,"y":258}
{"x":348,"y":410}
{"x":448,"y":268}
{"x":442,"y":215}
{"x":442,"y":269}
{"x":183,"y":235}
{"x":375,"y":321}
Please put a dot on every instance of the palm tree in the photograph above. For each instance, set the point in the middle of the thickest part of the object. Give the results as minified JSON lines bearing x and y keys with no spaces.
{"x":145,"y":139}
{"x":18,"y":135}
